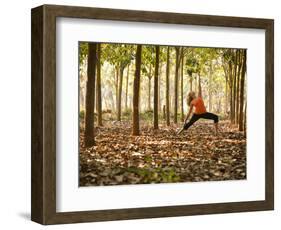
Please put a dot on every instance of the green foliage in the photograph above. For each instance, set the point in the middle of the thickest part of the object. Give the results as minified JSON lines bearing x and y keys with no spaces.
{"x":192,"y":65}
{"x":83,"y":52}
{"x":148,"y":60}
{"x":118,"y":55}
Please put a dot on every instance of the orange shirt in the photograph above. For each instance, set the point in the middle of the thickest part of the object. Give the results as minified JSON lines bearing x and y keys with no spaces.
{"x":199,"y":105}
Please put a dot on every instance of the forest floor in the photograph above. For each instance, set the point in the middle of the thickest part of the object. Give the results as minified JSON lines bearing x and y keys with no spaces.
{"x":161,"y":156}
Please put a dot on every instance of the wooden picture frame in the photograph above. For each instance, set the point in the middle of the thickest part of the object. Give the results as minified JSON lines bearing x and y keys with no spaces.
{"x":43,"y":207}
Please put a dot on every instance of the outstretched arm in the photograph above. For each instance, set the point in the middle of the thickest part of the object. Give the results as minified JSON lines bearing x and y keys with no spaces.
{"x":189,"y":112}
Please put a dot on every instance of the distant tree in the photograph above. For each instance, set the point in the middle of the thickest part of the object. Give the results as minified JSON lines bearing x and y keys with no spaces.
{"x":99,"y":99}
{"x":136,"y":92}
{"x":242,"y":82}
{"x":234,"y":86}
{"x":118,"y":55}
{"x":147,"y":69}
{"x":181,"y":87}
{"x":149,"y":87}
{"x":156,"y":72}
{"x":192,"y":67}
{"x":168,"y":87}
{"x":176,"y":87}
{"x":238,"y":84}
{"x":127,"y":83}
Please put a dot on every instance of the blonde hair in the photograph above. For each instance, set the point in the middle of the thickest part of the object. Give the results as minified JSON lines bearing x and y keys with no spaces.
{"x":191,"y":95}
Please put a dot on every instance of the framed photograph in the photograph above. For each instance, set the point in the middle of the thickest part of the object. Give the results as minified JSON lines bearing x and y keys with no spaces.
{"x":139,"y":114}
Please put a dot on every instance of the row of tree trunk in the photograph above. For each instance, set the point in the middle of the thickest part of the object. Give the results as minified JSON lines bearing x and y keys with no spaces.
{"x":179,"y":72}
{"x":235,"y":81}
{"x":94,"y":89}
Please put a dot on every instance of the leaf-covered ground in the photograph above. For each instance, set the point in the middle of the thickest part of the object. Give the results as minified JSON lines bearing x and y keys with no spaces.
{"x":161,"y":156}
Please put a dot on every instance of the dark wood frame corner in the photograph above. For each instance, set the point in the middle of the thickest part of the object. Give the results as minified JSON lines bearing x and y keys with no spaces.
{"x":43,"y":188}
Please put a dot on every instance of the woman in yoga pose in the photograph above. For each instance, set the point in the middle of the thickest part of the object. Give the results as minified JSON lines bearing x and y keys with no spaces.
{"x":200,"y":111}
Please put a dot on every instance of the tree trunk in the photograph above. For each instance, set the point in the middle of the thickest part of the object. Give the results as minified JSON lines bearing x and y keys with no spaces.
{"x":226,"y":90}
{"x":164,"y":112}
{"x":176,"y":87}
{"x":149,"y":88}
{"x":159,"y":82}
{"x":136,"y":92}
{"x":226,"y":98}
{"x":99,"y":102}
{"x":238,"y":87}
{"x":210,"y":86}
{"x":168,"y":87}
{"x":82,"y":98}
{"x":231,"y":90}
{"x":242,"y":82}
{"x":90,"y":95}
{"x":127,"y":83}
{"x":245,"y":120}
{"x":120,"y":93}
{"x":149,"y":93}
{"x":182,"y":112}
{"x":156,"y":72}
{"x":234,"y":88}
{"x":116,"y":86}
{"x":190,"y":83}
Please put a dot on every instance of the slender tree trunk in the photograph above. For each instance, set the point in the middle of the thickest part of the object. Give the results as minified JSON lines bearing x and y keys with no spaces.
{"x":90,"y":95}
{"x":231,"y":91}
{"x":155,"y":109}
{"x":116,"y":86}
{"x":238,"y":87}
{"x":120,"y":93}
{"x":149,"y":88}
{"x":159,"y":83}
{"x":182,"y":73}
{"x":82,"y":98}
{"x":149,"y":93}
{"x":99,"y":102}
{"x":245,"y":120}
{"x":226,"y":90}
{"x":190,"y":83}
{"x":168,"y":87}
{"x":242,"y":82}
{"x":164,"y":112}
{"x":226,"y":98}
{"x":210,"y":86}
{"x":136,"y":93}
{"x":127,"y":84}
{"x":176,"y":87}
{"x":234,"y":88}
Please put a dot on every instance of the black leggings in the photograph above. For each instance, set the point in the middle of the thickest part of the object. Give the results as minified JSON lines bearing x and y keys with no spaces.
{"x":196,"y":117}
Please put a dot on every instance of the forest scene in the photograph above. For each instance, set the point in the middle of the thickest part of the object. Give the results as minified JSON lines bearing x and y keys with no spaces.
{"x":161,"y":114}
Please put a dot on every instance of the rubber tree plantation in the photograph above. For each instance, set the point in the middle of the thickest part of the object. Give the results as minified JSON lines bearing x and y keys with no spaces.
{"x":134,"y":102}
